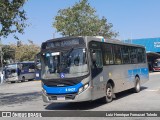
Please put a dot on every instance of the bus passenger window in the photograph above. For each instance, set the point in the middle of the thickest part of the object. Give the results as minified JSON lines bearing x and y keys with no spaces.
{"x":133,"y":55}
{"x":140,"y":55}
{"x":117,"y":54}
{"x":107,"y":54}
{"x":125,"y":54}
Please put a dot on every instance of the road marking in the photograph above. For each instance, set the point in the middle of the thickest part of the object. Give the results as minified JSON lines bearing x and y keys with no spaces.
{"x":152,"y":90}
{"x":153,"y":73}
{"x":37,"y":80}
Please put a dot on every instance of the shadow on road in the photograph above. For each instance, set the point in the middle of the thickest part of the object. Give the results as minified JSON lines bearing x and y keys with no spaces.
{"x":74,"y":106}
{"x":12,"y":98}
{"x":127,"y":93}
{"x":15,"y":82}
{"x":87,"y":105}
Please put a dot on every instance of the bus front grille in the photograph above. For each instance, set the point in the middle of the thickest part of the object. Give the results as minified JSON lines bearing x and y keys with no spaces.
{"x":67,"y":96}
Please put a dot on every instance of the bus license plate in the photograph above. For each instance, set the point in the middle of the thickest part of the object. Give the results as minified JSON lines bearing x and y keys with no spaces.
{"x":60,"y":98}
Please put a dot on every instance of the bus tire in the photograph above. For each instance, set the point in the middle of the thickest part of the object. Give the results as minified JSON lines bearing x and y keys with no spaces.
{"x":13,"y":81}
{"x":109,"y":94}
{"x":23,"y":79}
{"x":137,"y":87}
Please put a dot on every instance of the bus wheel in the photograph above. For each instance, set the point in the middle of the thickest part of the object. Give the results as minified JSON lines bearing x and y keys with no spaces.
{"x":23,"y":79}
{"x":109,"y":94}
{"x":137,"y":87}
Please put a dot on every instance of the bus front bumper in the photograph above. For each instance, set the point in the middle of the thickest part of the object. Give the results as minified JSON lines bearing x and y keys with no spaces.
{"x":11,"y":79}
{"x":84,"y":96}
{"x":156,"y":69}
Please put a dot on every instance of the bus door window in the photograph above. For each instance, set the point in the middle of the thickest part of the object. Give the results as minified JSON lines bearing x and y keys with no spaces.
{"x":96,"y":58}
{"x":97,"y":66}
{"x":32,"y":68}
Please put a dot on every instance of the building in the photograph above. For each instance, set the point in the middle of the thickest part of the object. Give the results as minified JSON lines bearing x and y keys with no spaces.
{"x":152,"y":46}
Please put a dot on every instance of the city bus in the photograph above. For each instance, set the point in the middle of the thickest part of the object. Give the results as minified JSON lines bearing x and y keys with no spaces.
{"x":20,"y":71}
{"x":76,"y":69}
{"x":156,"y":65}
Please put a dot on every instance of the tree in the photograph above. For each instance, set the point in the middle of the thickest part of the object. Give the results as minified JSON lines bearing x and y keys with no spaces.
{"x":8,"y":54}
{"x":80,"y":20}
{"x":12,"y":17}
{"x":25,"y":52}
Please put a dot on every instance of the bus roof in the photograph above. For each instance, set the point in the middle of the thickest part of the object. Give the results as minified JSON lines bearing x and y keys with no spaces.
{"x":95,"y":38}
{"x":21,"y":62}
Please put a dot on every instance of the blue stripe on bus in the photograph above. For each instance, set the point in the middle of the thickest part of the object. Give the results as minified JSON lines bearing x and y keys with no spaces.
{"x":142,"y":72}
{"x":62,"y":90}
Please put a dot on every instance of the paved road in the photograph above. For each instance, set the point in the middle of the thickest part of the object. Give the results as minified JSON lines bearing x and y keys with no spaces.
{"x":26,"y":96}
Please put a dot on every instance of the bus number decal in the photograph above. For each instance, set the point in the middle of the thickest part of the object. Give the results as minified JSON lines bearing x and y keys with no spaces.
{"x":70,"y":89}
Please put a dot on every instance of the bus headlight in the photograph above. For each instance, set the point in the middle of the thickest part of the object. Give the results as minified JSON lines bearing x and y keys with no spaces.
{"x":83,"y":88}
{"x":44,"y":91}
{"x":80,"y":90}
{"x":86,"y":86}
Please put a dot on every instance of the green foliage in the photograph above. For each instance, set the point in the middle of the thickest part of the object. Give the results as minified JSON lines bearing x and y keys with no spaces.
{"x":25,"y":52}
{"x":80,"y":20}
{"x":12,"y":17}
{"x":8,"y":52}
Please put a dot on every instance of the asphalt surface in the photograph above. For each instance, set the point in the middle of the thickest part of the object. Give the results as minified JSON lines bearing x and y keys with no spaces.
{"x":26,"y":96}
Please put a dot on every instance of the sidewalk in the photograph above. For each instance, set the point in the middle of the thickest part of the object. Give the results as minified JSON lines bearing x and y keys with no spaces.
{"x":153,"y":73}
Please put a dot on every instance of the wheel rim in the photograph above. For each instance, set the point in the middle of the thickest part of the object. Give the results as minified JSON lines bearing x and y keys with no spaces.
{"x":109,"y":92}
{"x":138,"y":85}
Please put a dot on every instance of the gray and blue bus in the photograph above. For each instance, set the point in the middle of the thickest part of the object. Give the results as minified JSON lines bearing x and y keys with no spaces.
{"x":75,"y":69}
{"x":20,"y":71}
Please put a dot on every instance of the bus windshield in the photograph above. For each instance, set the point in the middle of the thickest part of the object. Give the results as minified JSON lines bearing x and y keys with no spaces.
{"x":11,"y":70}
{"x":65,"y":64}
{"x":157,"y":64}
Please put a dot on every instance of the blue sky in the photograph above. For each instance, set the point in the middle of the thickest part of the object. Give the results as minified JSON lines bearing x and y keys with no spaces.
{"x":133,"y":19}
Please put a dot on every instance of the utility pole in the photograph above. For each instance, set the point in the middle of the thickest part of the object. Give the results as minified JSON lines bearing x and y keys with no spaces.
{"x":1,"y":53}
{"x":53,"y":35}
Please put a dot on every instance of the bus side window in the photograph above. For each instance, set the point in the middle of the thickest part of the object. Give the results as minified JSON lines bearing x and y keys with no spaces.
{"x":133,"y":55}
{"x":140,"y":55}
{"x":117,"y":54}
{"x":107,"y":54}
{"x":24,"y":66}
{"x":126,"y":55}
{"x":32,"y":66}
